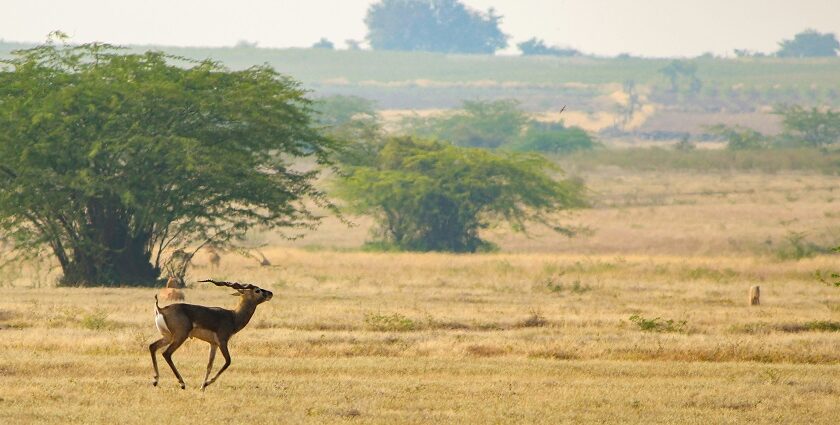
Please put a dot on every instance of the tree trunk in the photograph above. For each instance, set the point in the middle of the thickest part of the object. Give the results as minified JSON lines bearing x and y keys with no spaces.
{"x":129,"y":267}
{"x":109,"y":255}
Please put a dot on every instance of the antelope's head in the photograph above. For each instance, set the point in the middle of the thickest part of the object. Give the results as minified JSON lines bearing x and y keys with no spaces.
{"x":255,"y":294}
{"x":247,"y":291}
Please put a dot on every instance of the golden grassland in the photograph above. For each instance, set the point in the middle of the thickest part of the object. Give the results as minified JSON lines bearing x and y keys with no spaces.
{"x":642,"y":320}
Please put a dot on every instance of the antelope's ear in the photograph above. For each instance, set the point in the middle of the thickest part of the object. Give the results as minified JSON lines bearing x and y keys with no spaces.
{"x":236,"y":294}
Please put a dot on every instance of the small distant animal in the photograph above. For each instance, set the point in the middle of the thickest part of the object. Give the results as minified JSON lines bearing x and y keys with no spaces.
{"x":214,"y":258}
{"x":264,"y":261}
{"x":181,"y":256}
{"x":177,"y":322}
{"x":755,"y":295}
{"x":172,"y":291}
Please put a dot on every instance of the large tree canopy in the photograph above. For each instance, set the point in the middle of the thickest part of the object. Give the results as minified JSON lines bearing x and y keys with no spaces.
{"x":113,"y":160}
{"x":433,"y":25}
{"x":432,"y":196}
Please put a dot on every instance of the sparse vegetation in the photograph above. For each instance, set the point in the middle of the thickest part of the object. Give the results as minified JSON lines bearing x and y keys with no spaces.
{"x":394,"y":322}
{"x":658,"y":324}
{"x":95,"y":320}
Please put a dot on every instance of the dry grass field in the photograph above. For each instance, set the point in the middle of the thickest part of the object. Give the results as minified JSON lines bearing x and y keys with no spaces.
{"x":642,"y":319}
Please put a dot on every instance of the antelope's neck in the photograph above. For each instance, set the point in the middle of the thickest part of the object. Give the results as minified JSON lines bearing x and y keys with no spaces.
{"x":242,"y":313}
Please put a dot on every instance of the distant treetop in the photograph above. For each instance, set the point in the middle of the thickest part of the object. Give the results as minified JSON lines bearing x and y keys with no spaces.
{"x":535,"y":47}
{"x":323,"y":43}
{"x":809,"y":43}
{"x":446,"y":26}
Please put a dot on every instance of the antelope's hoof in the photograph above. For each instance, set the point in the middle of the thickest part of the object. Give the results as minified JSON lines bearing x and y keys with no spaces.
{"x":154,"y":383}
{"x":183,"y":386}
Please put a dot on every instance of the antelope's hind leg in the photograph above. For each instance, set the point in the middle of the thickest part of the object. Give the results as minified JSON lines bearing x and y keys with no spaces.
{"x":157,"y":345}
{"x":177,"y":340}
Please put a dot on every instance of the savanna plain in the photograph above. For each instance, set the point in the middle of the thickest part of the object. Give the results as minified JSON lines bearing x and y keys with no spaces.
{"x":641,"y":318}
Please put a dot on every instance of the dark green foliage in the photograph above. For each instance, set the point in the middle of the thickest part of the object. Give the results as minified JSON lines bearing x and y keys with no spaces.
{"x":537,"y":47}
{"x":739,"y":137}
{"x":446,"y":26}
{"x":810,"y":127}
{"x":482,"y":124}
{"x":554,"y":138}
{"x":809,"y":43}
{"x":432,"y":196}
{"x":111,"y":161}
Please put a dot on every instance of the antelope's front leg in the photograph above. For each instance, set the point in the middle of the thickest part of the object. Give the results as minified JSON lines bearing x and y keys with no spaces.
{"x":209,"y":366}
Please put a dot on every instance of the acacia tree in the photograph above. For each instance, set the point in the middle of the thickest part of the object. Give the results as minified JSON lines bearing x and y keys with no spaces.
{"x":112,"y":160}
{"x":433,"y":196}
{"x":811,"y":127}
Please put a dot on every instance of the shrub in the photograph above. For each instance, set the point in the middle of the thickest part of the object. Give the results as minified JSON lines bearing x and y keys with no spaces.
{"x":658,"y":325}
{"x":796,"y":247}
{"x":95,"y":320}
{"x":534,"y":320}
{"x":810,"y":127}
{"x":739,"y":137}
{"x":554,"y":138}
{"x":389,"y":322}
{"x":554,"y":285}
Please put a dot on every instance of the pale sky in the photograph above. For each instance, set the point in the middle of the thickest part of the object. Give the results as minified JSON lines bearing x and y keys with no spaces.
{"x":603,"y":27}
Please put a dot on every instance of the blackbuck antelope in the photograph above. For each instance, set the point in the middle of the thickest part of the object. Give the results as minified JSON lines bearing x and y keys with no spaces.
{"x":215,"y":325}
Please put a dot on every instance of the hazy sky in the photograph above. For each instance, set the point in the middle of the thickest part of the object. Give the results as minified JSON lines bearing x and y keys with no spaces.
{"x":606,"y":27}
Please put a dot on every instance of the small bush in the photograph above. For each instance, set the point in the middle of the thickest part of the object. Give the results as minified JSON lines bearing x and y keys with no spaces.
{"x":389,"y":322}
{"x":795,"y":247}
{"x":706,"y":273}
{"x":485,"y":350}
{"x":658,"y":324}
{"x":812,"y":326}
{"x":554,"y":138}
{"x":96,"y":320}
{"x":554,"y":285}
{"x":535,"y":320}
